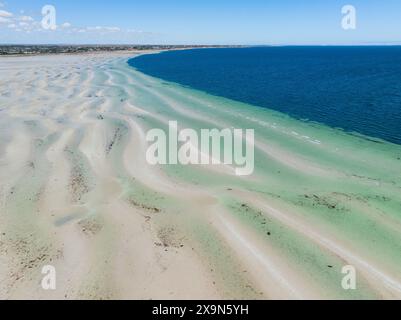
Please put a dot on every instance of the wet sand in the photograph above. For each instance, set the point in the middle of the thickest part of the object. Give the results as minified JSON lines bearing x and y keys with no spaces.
{"x":77,"y":193}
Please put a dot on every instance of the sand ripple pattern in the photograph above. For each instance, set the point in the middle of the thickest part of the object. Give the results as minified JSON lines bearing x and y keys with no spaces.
{"x":77,"y":193}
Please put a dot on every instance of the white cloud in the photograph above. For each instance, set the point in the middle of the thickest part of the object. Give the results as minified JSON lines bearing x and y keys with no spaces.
{"x":23,"y":24}
{"x":137,"y":31}
{"x":5,"y":14}
{"x":25,"y":18}
{"x":113,"y":29}
{"x":104,"y":29}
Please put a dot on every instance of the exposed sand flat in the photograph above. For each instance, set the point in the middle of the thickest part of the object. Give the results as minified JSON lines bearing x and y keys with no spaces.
{"x":77,"y":193}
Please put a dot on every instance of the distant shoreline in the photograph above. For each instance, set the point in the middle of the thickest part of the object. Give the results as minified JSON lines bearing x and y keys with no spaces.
{"x":32,"y":50}
{"x":10,"y":50}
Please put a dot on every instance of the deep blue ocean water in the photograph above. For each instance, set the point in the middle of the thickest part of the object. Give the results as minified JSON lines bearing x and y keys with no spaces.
{"x":357,"y":89}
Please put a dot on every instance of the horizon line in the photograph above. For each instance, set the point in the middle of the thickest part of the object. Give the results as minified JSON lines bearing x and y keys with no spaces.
{"x":201,"y":45}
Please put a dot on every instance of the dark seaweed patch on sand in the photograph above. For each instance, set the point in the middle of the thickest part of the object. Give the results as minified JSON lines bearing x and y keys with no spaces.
{"x":78,"y":183}
{"x":169,"y":237}
{"x":136,"y":204}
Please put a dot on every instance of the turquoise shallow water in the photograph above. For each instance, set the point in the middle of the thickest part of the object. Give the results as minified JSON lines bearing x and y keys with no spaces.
{"x":353,"y":88}
{"x":345,"y":185}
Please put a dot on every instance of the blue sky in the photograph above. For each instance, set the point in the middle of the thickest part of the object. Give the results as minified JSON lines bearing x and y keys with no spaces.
{"x":201,"y":22}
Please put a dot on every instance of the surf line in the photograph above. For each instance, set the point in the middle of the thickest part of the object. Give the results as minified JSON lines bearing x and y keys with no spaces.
{"x":228,"y":146}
